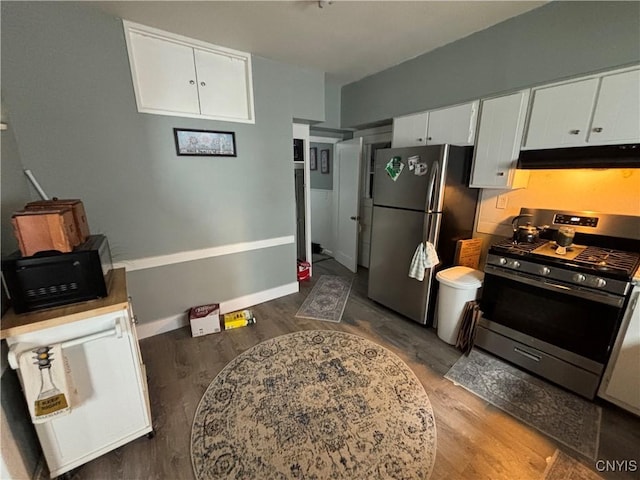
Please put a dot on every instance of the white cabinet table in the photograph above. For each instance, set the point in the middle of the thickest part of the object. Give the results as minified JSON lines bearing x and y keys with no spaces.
{"x":107,"y":380}
{"x":621,"y":379}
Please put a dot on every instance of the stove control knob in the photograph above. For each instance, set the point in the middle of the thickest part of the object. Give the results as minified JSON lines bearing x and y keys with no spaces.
{"x":515,"y":264}
{"x":578,"y":277}
{"x":502,"y":261}
{"x":545,"y":271}
{"x":600,"y":282}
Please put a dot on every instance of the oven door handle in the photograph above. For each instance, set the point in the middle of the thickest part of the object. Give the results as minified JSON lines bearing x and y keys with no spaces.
{"x":524,"y":353}
{"x":607,"y":299}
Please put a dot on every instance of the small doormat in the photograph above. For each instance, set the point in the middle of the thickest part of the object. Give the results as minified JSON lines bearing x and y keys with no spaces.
{"x":563,"y":467}
{"x":571,"y":420}
{"x":327,"y":299}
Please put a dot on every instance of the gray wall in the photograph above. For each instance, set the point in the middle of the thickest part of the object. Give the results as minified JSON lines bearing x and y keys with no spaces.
{"x":331,"y":105}
{"x":13,"y":184}
{"x":319,"y":180}
{"x":67,"y":84}
{"x":19,"y":441}
{"x":558,"y":40}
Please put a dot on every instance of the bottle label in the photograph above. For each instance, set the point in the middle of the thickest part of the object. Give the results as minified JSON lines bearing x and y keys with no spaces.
{"x":49,"y":405}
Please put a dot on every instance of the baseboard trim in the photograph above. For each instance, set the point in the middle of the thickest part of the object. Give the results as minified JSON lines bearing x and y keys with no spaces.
{"x":162,"y":260}
{"x":163,"y":325}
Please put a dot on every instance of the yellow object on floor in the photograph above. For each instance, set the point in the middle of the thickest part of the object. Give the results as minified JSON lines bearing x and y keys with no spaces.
{"x":238,"y":319}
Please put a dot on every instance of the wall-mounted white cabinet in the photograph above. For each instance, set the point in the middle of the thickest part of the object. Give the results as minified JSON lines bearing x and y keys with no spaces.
{"x":410,"y":130}
{"x":616,"y":118}
{"x":175,"y":75}
{"x":455,"y":125}
{"x":501,"y":126}
{"x":594,"y":111}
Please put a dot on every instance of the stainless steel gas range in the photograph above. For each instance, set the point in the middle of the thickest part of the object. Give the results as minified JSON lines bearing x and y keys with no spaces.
{"x":556,"y":311}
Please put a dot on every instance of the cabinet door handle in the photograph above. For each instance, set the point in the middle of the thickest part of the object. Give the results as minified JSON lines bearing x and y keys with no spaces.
{"x":356,"y":218}
{"x":429,"y":138}
{"x":500,"y":174}
{"x":202,"y":84}
{"x":192,"y":82}
{"x":597,"y":129}
{"x":419,"y":139}
{"x":574,"y":132}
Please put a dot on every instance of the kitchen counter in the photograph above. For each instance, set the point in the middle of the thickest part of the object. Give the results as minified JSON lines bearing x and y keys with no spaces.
{"x":13,"y":324}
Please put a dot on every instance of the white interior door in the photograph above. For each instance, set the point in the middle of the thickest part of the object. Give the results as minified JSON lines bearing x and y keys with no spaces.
{"x":347,"y":158}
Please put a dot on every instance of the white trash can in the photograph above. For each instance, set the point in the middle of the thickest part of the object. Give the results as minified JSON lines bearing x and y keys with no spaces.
{"x":458,"y":285}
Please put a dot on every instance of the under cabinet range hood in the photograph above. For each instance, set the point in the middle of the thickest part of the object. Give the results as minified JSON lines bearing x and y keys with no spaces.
{"x":604,"y":156}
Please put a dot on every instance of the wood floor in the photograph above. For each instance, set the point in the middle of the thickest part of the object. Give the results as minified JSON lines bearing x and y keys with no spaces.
{"x":475,"y":439}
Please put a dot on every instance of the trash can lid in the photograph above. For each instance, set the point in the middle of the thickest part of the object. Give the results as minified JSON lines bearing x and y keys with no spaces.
{"x":464,"y":278}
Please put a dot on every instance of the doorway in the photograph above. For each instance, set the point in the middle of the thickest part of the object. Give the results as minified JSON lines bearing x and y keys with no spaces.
{"x":301,"y":238}
{"x":373,"y":139}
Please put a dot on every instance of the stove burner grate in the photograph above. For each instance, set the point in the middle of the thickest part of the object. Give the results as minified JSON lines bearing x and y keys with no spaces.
{"x":605,"y":259}
{"x":519,"y":247}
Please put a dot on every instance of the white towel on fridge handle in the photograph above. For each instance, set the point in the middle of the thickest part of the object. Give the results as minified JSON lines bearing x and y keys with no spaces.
{"x":431,"y":255}
{"x":44,"y":378}
{"x":424,"y":257}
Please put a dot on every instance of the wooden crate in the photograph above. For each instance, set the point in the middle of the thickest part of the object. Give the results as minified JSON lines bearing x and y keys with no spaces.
{"x":41,"y":230}
{"x":79,"y":215}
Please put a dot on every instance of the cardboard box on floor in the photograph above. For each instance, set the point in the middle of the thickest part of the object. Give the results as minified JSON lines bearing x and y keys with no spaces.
{"x":205,"y":319}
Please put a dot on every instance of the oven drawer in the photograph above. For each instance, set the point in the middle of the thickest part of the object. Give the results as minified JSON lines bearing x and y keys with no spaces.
{"x":558,"y":371}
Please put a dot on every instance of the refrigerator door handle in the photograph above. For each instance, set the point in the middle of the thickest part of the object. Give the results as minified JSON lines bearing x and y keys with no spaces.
{"x":431,"y":194}
{"x":427,"y":231}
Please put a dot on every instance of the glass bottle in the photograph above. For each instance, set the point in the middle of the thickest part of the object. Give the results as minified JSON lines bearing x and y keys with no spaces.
{"x":50,"y":399}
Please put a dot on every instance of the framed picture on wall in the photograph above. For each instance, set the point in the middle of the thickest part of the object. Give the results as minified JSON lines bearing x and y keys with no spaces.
{"x":324,"y":161}
{"x":313,"y":158}
{"x":208,"y":143}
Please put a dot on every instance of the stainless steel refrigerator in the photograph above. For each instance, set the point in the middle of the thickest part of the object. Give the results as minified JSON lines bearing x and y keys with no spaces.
{"x":420,"y":194}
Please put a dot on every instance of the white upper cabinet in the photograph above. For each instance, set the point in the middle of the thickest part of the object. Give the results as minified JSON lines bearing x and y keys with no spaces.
{"x":215,"y":74}
{"x":560,"y":115}
{"x":455,"y":125}
{"x":165,"y":76}
{"x":594,"y":111}
{"x":410,"y":130}
{"x":498,"y":141}
{"x":175,"y":75}
{"x":617,"y":115}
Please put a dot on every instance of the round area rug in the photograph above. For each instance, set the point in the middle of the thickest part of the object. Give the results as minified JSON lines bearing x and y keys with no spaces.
{"x":314,"y":405}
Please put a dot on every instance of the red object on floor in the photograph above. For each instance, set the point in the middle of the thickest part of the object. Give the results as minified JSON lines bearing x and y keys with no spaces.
{"x":304,"y":271}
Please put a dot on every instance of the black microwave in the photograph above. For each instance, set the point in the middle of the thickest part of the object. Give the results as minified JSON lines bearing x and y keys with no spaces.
{"x":52,"y":279}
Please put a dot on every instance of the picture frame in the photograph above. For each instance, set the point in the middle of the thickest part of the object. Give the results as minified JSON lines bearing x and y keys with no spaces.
{"x":324,"y":161}
{"x":204,"y":143}
{"x":313,"y":158}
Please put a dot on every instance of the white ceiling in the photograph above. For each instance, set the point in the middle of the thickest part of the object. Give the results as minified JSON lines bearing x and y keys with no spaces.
{"x":348,"y":40}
